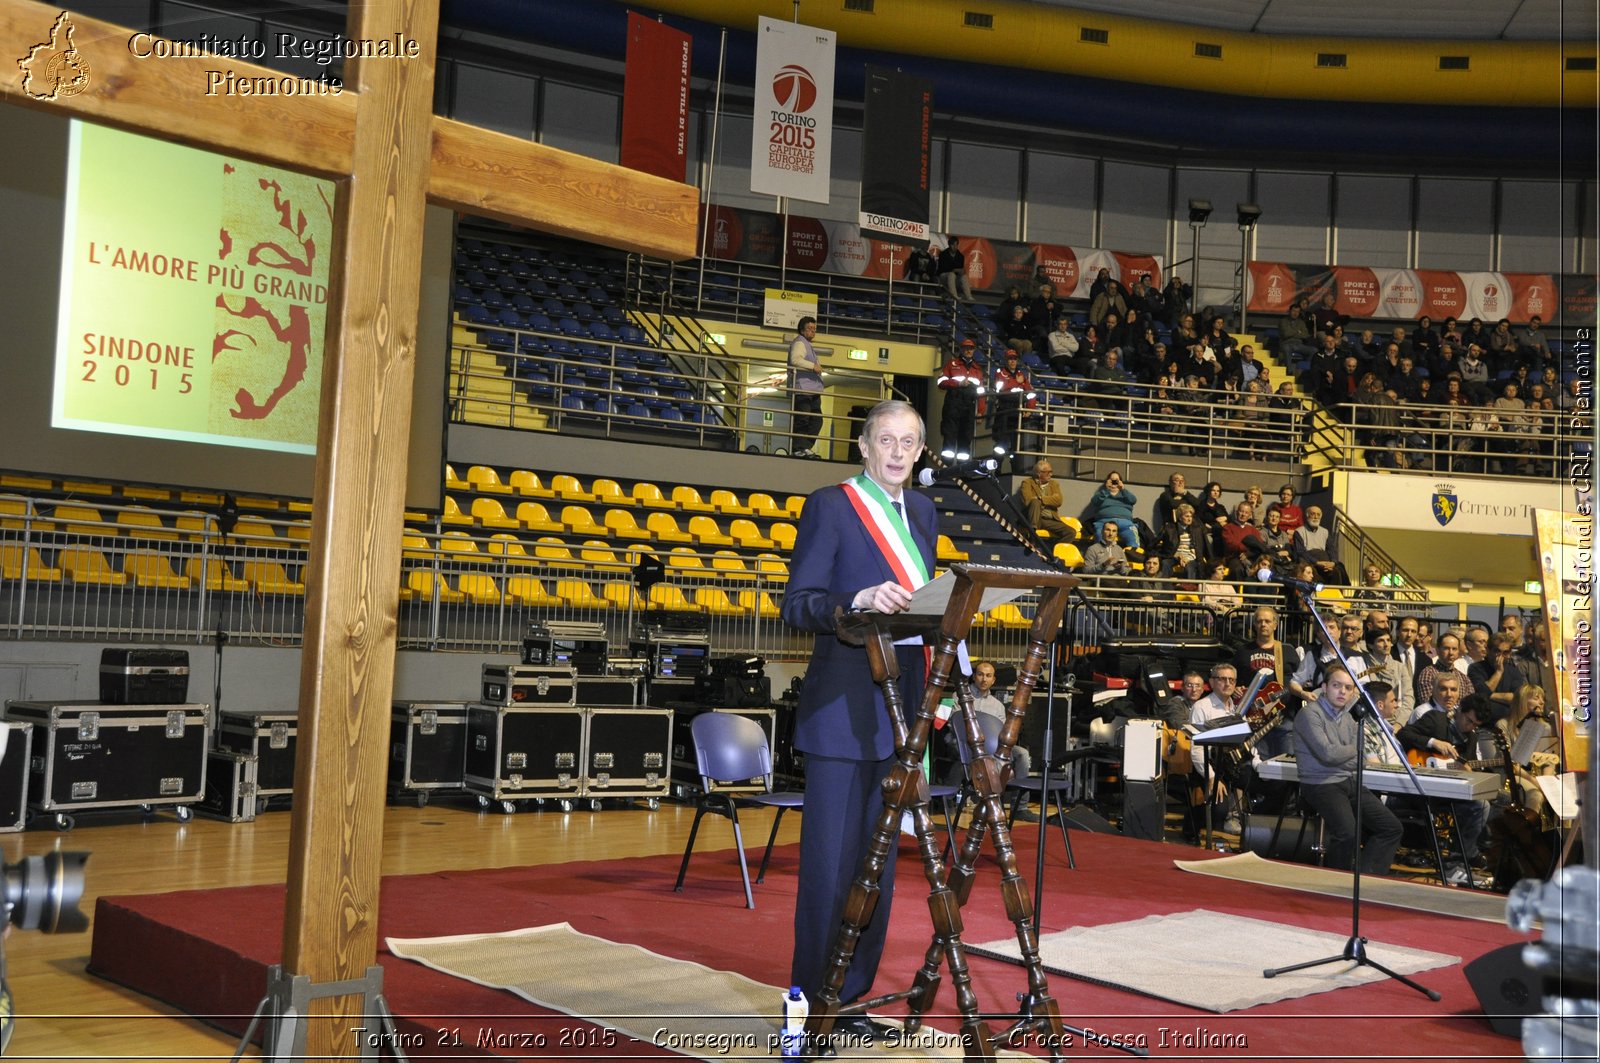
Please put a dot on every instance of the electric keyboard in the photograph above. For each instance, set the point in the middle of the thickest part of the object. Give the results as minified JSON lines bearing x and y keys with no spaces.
{"x":1445,"y":783}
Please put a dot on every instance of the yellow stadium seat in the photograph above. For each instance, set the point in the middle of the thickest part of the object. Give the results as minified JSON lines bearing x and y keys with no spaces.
{"x":609,"y":493}
{"x":246,"y":528}
{"x":772,"y":566}
{"x":535,"y":517}
{"x":1007,"y":615}
{"x":199,"y":498}
{"x":1075,"y":524}
{"x":729,"y":565}
{"x":414,"y":545}
{"x":707,"y":532}
{"x":579,"y":521}
{"x":764,"y":505}
{"x":685,"y":560}
{"x":1069,"y":555}
{"x":213,"y":574}
{"x":16,"y":515}
{"x":452,"y":482}
{"x":297,"y":506}
{"x":508,"y":546}
{"x":22,"y":482}
{"x":568,"y":489}
{"x":946,"y":551}
{"x":86,"y":487}
{"x":83,"y":565}
{"x":491,"y":514}
{"x":549,"y":548}
{"x":485,"y":480}
{"x":688,"y":499}
{"x":269,"y":577}
{"x":196,"y":525}
{"x":530,"y":592}
{"x":621,"y":525}
{"x":760,"y":601}
{"x":80,"y":520}
{"x":598,"y":555}
{"x":664,"y":527}
{"x":298,"y":530}
{"x":149,"y":494}
{"x":458,"y":542}
{"x":423,"y":583}
{"x":782,"y":533}
{"x":794,"y":504}
{"x":264,"y":504}
{"x":153,"y":570}
{"x":478,"y":588}
{"x":452,"y":513}
{"x":727,"y":503}
{"x":747,"y":535}
{"x":649,"y":496}
{"x":666,"y":596}
{"x":139,"y":522}
{"x":714,"y":600}
{"x":578,"y":594}
{"x":11,"y":564}
{"x":528,"y":484}
{"x":623,"y":596}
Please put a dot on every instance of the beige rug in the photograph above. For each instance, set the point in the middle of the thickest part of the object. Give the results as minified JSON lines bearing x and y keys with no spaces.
{"x":686,"y":1007}
{"x":1209,"y":960}
{"x":1395,"y":893}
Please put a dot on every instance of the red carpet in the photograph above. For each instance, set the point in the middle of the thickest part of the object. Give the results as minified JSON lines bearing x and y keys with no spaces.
{"x":207,"y":952}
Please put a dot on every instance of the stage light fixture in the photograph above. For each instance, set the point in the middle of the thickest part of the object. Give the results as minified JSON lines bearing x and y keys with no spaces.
{"x":1199,"y":211}
{"x":1249,"y":214}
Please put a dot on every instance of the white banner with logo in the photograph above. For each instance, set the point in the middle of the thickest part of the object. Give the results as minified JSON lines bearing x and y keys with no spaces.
{"x":1470,"y":505}
{"x":791,"y":140}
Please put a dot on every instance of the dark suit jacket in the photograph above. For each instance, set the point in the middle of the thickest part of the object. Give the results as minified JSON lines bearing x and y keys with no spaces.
{"x":841,"y":712}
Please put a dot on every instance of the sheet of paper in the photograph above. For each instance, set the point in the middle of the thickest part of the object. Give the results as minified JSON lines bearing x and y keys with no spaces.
{"x":931,"y":598}
{"x":1529,"y":739}
{"x":1561,"y":793}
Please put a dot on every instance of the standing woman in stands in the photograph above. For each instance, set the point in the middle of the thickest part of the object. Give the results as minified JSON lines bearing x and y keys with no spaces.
{"x":805,"y":388}
{"x":1113,"y":504}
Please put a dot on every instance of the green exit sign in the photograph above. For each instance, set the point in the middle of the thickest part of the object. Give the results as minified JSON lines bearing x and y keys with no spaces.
{"x":857,"y":355}
{"x":1532,"y":586}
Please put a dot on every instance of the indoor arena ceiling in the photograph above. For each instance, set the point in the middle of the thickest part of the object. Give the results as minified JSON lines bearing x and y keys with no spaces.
{"x":1511,"y":20}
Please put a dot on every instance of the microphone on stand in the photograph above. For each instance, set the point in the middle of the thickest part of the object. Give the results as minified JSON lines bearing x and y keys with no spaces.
{"x":949,"y":474}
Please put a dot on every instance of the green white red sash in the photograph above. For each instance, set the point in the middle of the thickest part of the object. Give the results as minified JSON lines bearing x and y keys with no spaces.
{"x":888,"y":530}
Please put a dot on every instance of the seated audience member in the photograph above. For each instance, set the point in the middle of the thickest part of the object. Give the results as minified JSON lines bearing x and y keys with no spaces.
{"x":1110,"y":300}
{"x":1313,"y":543}
{"x":1043,"y":311}
{"x":1294,"y":336}
{"x":1241,"y":545}
{"x":1106,"y":556}
{"x":1532,"y":345}
{"x":1373,"y":590}
{"x":1113,"y":502}
{"x":953,"y":271}
{"x":1014,"y":330}
{"x":1424,"y":341}
{"x":1041,"y":502}
{"x":1290,"y":518}
{"x":1061,"y":349}
{"x":1211,"y":506}
{"x":987,"y":703}
{"x":1110,"y":379}
{"x":1218,"y":591}
{"x":1184,"y":545}
{"x":1475,"y":374}
{"x":921,"y":266}
{"x":1279,"y":543}
{"x":1498,"y":675}
{"x":1168,"y":501}
{"x":1326,"y":317}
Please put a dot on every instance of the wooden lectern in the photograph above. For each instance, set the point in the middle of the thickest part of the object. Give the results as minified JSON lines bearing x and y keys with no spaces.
{"x":906,"y":790}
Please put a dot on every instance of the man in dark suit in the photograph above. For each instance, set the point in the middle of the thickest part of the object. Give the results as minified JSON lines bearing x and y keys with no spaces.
{"x":863,"y":544}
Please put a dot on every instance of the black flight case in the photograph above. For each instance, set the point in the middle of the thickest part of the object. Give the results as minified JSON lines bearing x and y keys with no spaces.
{"x":427,"y":749}
{"x":90,"y":755}
{"x":269,"y":736}
{"x":524,"y":752}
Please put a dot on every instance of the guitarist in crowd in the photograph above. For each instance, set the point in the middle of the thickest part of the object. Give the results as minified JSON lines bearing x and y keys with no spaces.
{"x":1264,"y":651}
{"x":1445,"y":730}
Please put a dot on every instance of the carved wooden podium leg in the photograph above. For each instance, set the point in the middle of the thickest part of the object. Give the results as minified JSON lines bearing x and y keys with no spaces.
{"x":906,"y":790}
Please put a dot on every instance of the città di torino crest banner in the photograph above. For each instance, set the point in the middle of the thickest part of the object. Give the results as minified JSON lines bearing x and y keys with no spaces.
{"x":791,"y":140}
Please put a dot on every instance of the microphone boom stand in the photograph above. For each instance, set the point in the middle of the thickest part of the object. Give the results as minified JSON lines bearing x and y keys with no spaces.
{"x":1355,"y":947}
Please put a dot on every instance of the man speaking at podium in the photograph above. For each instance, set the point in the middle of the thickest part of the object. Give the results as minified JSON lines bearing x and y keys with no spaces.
{"x":864,"y":544}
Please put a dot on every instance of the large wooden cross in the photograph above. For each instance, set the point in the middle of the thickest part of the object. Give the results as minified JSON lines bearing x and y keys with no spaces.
{"x":389,"y":153}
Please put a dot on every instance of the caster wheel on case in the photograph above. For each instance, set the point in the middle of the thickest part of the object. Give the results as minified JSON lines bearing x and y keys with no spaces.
{"x":147,"y":811}
{"x":422,"y":799}
{"x":184,"y":813}
{"x":653,"y":803}
{"x":261,"y":806}
{"x":565,"y":805}
{"x":483,"y":803}
{"x":64,"y":822}
{"x":594,"y":804}
{"x":508,"y":807}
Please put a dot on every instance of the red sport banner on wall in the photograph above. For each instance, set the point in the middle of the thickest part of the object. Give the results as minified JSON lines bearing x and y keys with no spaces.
{"x":655,"y":99}
{"x":1410,"y":294}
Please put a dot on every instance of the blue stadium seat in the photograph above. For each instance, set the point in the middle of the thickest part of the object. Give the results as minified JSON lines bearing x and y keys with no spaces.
{"x":477,"y":314}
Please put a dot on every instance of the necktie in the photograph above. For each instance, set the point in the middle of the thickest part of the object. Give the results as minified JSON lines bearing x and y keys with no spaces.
{"x":897,"y":510}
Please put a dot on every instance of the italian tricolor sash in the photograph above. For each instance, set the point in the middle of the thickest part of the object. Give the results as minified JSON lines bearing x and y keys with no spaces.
{"x":888,"y":531}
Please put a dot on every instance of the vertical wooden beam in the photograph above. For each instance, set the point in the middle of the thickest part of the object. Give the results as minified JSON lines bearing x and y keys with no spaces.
{"x":347,"y":672}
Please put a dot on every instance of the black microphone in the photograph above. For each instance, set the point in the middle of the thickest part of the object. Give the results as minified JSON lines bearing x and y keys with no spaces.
{"x":966,"y":470}
{"x":1289,"y":581}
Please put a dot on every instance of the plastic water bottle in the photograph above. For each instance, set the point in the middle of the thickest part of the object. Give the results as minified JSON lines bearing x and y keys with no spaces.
{"x":795,"y":1010}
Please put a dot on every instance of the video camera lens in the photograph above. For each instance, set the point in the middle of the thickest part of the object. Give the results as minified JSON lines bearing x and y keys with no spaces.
{"x":42,"y":892}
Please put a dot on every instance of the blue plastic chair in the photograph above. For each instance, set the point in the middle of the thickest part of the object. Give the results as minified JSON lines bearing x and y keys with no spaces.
{"x":731,"y":751}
